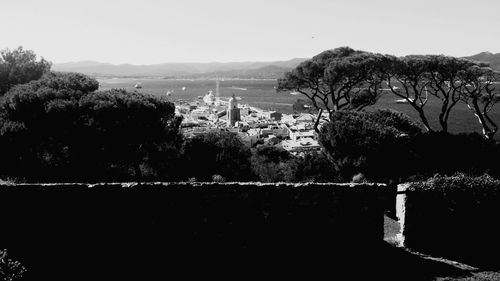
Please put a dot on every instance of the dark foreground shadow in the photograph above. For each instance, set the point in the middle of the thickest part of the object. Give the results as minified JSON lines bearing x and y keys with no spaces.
{"x":398,"y":264}
{"x":210,"y":233}
{"x":149,"y":262}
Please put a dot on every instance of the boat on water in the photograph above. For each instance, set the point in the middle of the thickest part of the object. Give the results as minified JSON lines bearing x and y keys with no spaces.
{"x":238,"y":88}
{"x":138,"y":85}
{"x":404,"y":100}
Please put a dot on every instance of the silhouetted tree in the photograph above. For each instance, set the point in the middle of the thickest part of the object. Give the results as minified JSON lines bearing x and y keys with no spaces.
{"x":59,"y":129}
{"x":20,"y":66}
{"x":337,"y":79}
{"x":272,"y":164}
{"x":417,"y":77}
{"x":399,"y":123}
{"x":446,"y":154}
{"x":445,"y":83}
{"x":314,"y":167}
{"x":408,"y":78}
{"x":302,"y":105}
{"x":10,"y":270}
{"x":216,"y":153}
{"x":480,"y":95}
{"x":367,"y":143}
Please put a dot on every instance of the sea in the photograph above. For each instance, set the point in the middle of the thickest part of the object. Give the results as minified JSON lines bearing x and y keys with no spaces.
{"x":261,"y":93}
{"x":254,"y":92}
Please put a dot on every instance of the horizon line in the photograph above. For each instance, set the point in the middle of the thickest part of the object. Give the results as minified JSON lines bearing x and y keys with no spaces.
{"x":227,"y":62}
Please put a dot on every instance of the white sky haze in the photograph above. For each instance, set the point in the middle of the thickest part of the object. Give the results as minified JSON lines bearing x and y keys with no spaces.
{"x":157,"y":31}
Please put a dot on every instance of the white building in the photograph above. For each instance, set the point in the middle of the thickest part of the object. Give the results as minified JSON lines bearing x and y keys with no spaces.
{"x":301,"y":145}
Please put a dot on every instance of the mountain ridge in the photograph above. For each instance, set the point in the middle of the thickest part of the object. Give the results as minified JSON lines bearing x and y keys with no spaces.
{"x":492,"y":59}
{"x":248,"y":69}
{"x":180,"y":69}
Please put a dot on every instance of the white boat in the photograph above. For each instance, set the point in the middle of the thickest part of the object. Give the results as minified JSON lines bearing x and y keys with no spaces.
{"x":183,"y":88}
{"x":404,"y":100}
{"x":138,"y":85}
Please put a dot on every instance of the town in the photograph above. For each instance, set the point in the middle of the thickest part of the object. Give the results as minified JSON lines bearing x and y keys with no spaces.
{"x":211,"y":113}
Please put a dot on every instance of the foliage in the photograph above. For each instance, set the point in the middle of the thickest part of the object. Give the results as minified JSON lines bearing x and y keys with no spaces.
{"x":450,"y":80}
{"x":115,"y":231}
{"x":57,"y":128}
{"x":356,"y":144}
{"x":346,"y":79}
{"x":371,"y":143}
{"x":272,"y":164}
{"x":20,"y":66}
{"x":10,"y":270}
{"x":411,"y":75}
{"x":399,"y":123}
{"x":446,"y":83}
{"x":457,"y":181}
{"x":447,"y":154}
{"x":314,"y":167}
{"x":453,"y":207}
{"x":302,"y":105}
{"x":216,"y":153}
{"x":480,"y":96}
{"x":337,"y":79}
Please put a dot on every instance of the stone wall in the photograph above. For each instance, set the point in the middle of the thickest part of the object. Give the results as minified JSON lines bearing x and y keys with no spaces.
{"x":454,"y":217}
{"x":146,"y":230}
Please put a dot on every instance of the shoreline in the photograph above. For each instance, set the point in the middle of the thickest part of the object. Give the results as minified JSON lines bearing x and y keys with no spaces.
{"x":183,"y":79}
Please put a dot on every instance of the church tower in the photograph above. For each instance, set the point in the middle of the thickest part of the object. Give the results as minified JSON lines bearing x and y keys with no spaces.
{"x":233,"y":112}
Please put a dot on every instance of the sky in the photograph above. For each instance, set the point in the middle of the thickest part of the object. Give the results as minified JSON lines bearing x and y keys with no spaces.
{"x":159,"y":31}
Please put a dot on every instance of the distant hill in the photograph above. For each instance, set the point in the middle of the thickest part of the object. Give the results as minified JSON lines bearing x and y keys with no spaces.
{"x":231,"y":69}
{"x":268,"y":71}
{"x":492,"y":59}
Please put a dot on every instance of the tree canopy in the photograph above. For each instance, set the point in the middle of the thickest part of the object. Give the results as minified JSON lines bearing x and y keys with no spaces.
{"x":480,"y":95}
{"x":60,"y":128}
{"x":346,"y":79}
{"x":216,"y":153}
{"x":336,"y":79}
{"x":20,"y":66}
{"x":366,"y":142}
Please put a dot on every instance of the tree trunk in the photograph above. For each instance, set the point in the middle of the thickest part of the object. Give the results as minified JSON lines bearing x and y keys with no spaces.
{"x":425,"y":121}
{"x":486,"y":129}
{"x":137,"y":170}
{"x":317,"y":121}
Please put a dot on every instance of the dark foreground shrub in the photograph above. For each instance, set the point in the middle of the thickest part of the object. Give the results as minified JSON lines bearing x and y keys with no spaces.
{"x":59,"y":129}
{"x":454,"y":217}
{"x":156,"y":231}
{"x":314,"y":167}
{"x":370,"y":143}
{"x":216,"y":153}
{"x":272,"y":164}
{"x":10,"y":270}
{"x":447,"y":154}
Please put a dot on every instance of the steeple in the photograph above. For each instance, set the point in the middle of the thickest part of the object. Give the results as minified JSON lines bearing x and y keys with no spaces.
{"x":233,"y":103}
{"x":233,"y":112}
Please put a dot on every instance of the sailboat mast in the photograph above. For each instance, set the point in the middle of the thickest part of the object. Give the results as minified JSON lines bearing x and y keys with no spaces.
{"x":217,"y":91}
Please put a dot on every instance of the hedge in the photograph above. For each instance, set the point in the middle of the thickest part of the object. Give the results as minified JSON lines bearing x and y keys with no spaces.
{"x":147,"y":231}
{"x":454,"y":217}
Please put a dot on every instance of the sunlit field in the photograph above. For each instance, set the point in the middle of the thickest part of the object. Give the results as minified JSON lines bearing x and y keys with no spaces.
{"x":261,"y":93}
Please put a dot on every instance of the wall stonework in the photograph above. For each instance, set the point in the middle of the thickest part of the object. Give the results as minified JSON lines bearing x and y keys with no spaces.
{"x":452,"y":217}
{"x":146,"y":229}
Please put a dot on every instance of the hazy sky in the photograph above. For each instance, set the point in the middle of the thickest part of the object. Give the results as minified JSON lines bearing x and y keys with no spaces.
{"x":156,"y":31}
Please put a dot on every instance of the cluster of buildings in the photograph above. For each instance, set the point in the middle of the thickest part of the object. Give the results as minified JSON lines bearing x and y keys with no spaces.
{"x":293,"y":132}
